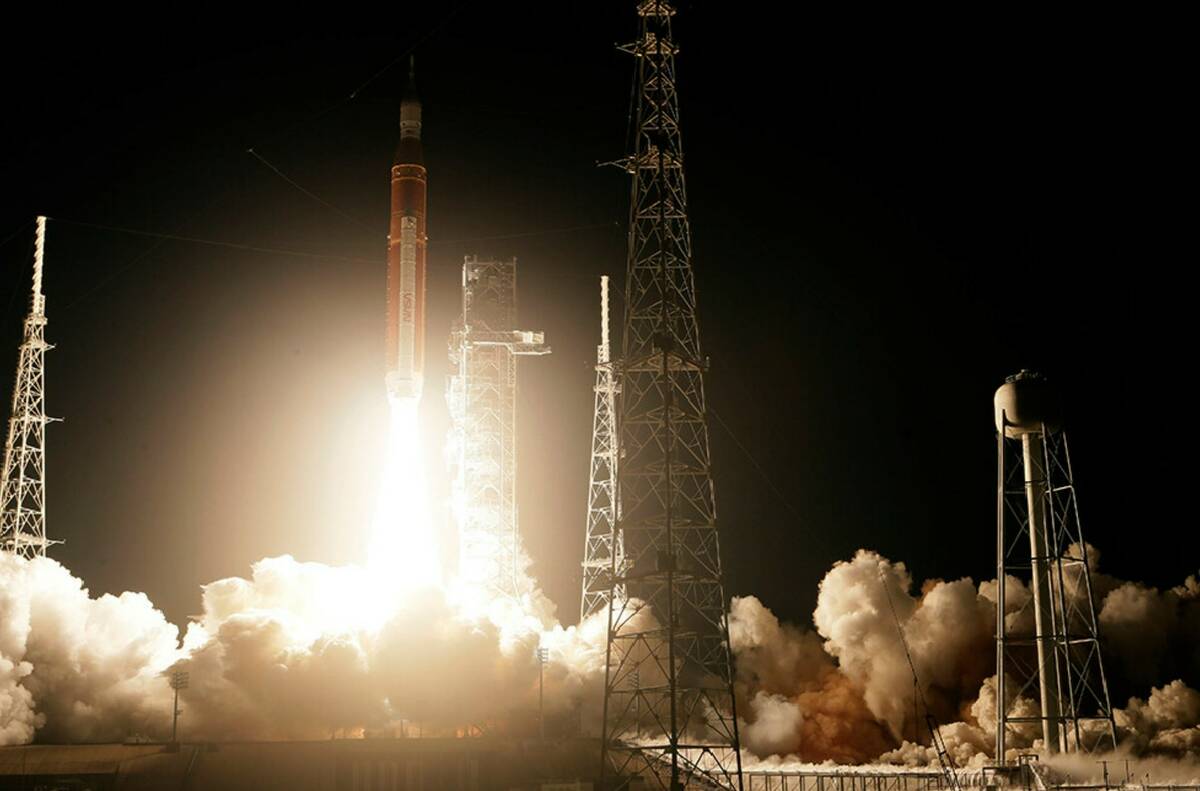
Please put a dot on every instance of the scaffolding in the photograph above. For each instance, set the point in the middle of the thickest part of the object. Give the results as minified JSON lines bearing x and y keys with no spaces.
{"x":484,"y":347}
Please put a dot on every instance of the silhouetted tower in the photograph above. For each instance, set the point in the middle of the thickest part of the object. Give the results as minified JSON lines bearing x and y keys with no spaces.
{"x":1048,"y":644}
{"x":600,"y":551}
{"x":482,"y":396}
{"x":23,"y":490}
{"x":668,"y":705}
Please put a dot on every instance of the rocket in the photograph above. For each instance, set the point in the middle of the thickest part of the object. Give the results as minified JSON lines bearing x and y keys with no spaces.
{"x":406,"y":256}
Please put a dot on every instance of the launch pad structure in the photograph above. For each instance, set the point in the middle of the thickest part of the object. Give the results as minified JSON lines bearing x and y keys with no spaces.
{"x":602,"y":552}
{"x":652,"y":563}
{"x":23,"y":484}
{"x":669,"y":710}
{"x":482,"y":395}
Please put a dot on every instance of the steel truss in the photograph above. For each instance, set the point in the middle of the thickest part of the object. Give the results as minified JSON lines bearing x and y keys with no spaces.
{"x":23,"y":487}
{"x":669,"y":712}
{"x":1055,"y":658}
{"x":482,"y":395}
{"x":598,"y":553}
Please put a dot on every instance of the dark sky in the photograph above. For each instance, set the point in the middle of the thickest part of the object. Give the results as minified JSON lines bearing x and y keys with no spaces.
{"x":889,"y":214}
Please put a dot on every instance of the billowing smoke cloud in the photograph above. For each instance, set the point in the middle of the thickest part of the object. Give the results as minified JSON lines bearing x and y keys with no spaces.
{"x":856,"y":686}
{"x":792,"y":696}
{"x":287,"y":653}
{"x":1166,"y":723}
{"x":74,"y":668}
{"x":846,"y":691}
{"x":948,"y":630}
{"x":1152,"y":634}
{"x":304,"y":650}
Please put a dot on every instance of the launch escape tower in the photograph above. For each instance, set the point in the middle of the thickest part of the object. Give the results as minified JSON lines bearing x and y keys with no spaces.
{"x":23,"y":489}
{"x":1049,"y":647}
{"x":669,"y":711}
{"x":599,"y":546}
{"x":484,"y":347}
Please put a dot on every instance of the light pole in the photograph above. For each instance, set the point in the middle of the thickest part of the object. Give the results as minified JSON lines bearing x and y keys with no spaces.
{"x":543,"y":655}
{"x":179,"y":680}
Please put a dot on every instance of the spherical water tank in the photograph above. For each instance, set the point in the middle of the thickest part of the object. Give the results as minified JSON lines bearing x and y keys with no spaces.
{"x":1026,"y":404}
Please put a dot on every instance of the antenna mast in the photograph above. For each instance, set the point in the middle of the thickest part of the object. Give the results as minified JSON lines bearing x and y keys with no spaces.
{"x":601,"y":554}
{"x":23,"y":486}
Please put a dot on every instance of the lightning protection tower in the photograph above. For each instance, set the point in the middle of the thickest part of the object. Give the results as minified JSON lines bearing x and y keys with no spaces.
{"x":23,"y":488}
{"x":1047,"y":644}
{"x":484,"y":347}
{"x":669,"y":712}
{"x":600,"y":551}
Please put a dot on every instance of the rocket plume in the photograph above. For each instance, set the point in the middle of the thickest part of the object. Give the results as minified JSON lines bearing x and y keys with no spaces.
{"x":294,"y":650}
{"x":403,"y":550}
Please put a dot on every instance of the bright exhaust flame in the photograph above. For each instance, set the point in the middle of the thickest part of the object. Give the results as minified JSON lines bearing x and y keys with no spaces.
{"x":403,"y":551}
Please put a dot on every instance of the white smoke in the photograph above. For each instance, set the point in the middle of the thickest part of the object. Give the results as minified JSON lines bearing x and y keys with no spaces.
{"x":1153,"y":634}
{"x":285,"y":653}
{"x":1125,"y":765}
{"x":948,"y":630}
{"x":74,"y":668}
{"x":793,"y":699}
{"x":304,"y":650}
{"x":1166,"y":723}
{"x":785,"y":683}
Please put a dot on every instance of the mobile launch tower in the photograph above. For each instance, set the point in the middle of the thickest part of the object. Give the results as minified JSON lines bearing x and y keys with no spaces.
{"x":484,"y":347}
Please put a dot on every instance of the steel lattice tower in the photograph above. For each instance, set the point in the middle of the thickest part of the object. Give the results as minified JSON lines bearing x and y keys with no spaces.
{"x":484,"y":348}
{"x":669,"y":712}
{"x":1049,"y":648}
{"x":598,"y":551}
{"x":23,"y":491}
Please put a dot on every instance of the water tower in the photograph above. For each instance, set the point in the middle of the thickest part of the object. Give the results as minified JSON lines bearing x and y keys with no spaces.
{"x":1047,"y":643}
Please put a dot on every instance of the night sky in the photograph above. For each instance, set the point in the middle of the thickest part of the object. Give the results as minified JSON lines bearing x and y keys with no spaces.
{"x":890,"y":214}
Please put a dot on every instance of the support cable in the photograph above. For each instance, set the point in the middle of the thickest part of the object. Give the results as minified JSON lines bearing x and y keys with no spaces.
{"x":16,"y":233}
{"x":310,"y":254}
{"x":12,"y":298}
{"x":931,"y":722}
{"x":219,"y":242}
{"x":406,"y":52}
{"x":339,"y":212}
{"x":754,"y":463}
{"x":354,"y":93}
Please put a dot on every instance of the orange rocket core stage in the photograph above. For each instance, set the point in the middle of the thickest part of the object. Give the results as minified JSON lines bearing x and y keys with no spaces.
{"x":406,"y":258}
